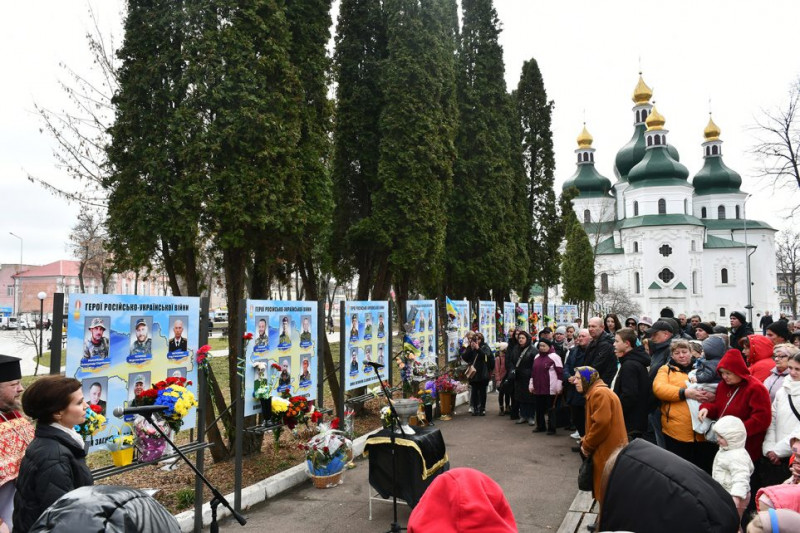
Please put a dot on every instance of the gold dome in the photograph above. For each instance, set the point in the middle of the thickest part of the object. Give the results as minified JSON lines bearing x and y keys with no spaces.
{"x":711,"y":133}
{"x":655,"y":120}
{"x":585,"y":139}
{"x":642,"y":93}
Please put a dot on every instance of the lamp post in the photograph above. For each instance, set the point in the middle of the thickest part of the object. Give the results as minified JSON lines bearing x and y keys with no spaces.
{"x":42,"y":295}
{"x":19,"y":269}
{"x":749,"y":305}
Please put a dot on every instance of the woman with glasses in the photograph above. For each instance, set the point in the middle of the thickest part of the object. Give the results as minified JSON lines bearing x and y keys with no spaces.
{"x":785,"y":423}
{"x":781,"y":354}
{"x":631,"y":323}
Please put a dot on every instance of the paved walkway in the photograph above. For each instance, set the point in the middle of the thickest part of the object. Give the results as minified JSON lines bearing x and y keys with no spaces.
{"x":537,"y":472}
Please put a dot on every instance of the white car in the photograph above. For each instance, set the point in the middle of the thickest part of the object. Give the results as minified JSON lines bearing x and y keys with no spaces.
{"x":23,"y":323}
{"x":8,"y":322}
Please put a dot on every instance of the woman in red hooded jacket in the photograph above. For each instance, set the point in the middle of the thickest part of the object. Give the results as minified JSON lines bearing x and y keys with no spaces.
{"x":741,"y":395}
{"x":760,"y":357}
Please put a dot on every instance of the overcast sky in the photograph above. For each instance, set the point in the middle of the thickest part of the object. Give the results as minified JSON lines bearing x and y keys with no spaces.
{"x":740,"y":55}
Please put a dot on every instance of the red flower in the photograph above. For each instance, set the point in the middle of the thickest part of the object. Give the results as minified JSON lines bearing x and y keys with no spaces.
{"x":316,"y":416}
{"x":149,"y":393}
{"x":276,"y":366}
{"x":203,"y":350}
{"x":325,"y":449}
{"x":248,"y":336}
{"x":160,"y":385}
{"x":96,"y":408}
{"x":201,"y":357}
{"x":335,"y":423}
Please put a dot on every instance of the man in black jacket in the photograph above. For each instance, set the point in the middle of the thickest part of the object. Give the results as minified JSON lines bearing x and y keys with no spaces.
{"x":600,"y":353}
{"x":660,"y":336}
{"x":740,"y":329}
{"x":632,"y":384}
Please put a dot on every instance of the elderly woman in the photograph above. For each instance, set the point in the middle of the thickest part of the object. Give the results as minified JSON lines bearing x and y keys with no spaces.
{"x":524,"y":372}
{"x":546,"y":383}
{"x":670,"y":387}
{"x":605,"y":423}
{"x":55,"y":461}
{"x":785,"y":423}
{"x":782,"y":353}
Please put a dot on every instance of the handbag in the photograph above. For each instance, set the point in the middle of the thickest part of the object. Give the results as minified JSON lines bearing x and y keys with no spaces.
{"x":558,"y":413}
{"x":471,"y":370}
{"x":586,"y":474}
{"x":711,"y":435}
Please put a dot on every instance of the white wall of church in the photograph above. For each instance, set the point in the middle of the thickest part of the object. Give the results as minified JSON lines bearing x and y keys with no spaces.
{"x":678,"y":200}
{"x":712,"y":202}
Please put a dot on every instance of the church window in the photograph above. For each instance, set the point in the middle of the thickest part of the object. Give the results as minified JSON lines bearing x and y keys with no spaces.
{"x":604,"y":283}
{"x":666,"y":275}
{"x":657,"y":140}
{"x":694,"y":280}
{"x":703,"y":213}
{"x":694,"y":247}
{"x":737,"y":213}
{"x":587,"y":216}
{"x":636,"y":209}
{"x":662,"y":206}
{"x":715,"y":150}
{"x":722,"y":312}
{"x":721,"y":212}
{"x":708,"y":150}
{"x":591,"y":158}
{"x":585,"y":156}
{"x":685,"y":206}
{"x":638,"y":116}
{"x":637,"y":283}
{"x":644,"y":114}
{"x":723,"y":274}
{"x":636,"y":247}
{"x":665,"y":250}
{"x":649,"y":141}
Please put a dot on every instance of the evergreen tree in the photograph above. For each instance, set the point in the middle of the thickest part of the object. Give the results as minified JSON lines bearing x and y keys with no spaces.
{"x":360,"y":49}
{"x":535,"y":112}
{"x":485,"y":239}
{"x":577,"y":267}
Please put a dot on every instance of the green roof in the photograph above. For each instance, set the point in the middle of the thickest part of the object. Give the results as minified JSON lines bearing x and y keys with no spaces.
{"x":630,"y":154}
{"x":606,"y":247}
{"x":657,"y":168}
{"x":654,"y":285}
{"x":712,"y":242}
{"x":735,"y":223}
{"x":589,"y":182}
{"x":660,"y":220}
{"x":680,"y":286}
{"x":600,"y":227}
{"x":716,"y":178}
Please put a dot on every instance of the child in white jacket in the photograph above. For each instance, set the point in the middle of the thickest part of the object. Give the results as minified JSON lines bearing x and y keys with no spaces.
{"x":732,"y":465}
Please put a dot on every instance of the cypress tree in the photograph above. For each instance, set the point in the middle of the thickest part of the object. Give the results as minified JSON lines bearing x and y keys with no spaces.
{"x":360,"y":50}
{"x":484,"y":243}
{"x":535,"y":112}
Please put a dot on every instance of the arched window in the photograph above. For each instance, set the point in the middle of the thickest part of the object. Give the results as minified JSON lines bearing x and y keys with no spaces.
{"x":638,"y":116}
{"x":662,"y":206}
{"x":591,"y":158}
{"x":579,"y":158}
{"x":715,"y":149}
{"x":708,"y":150}
{"x":722,"y":312}
{"x":636,"y":209}
{"x":694,"y":247}
{"x":585,"y":156}
{"x":721,"y":212}
{"x":694,"y":280}
{"x":637,"y":283}
{"x":703,"y":213}
{"x":737,"y":213}
{"x":723,"y":274}
{"x":644,"y":114}
{"x":604,"y":283}
{"x":685,"y":206}
{"x":636,"y":247}
{"x":587,"y":216}
{"x":657,"y":140}
{"x":649,"y":141}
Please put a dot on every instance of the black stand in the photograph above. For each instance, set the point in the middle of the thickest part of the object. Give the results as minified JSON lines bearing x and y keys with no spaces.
{"x":218,"y":497}
{"x":395,"y":527}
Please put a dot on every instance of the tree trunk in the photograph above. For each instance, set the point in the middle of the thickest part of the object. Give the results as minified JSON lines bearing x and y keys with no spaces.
{"x":81,"y":267}
{"x":169,"y":266}
{"x":545,"y":303}
{"x":192,"y":281}
{"x":220,"y":450}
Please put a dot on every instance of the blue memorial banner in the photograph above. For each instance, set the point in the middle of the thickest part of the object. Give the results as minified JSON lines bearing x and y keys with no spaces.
{"x":118,"y":346}
{"x":421,"y":315}
{"x":461,"y":324}
{"x":487,"y":322}
{"x":367,"y":332}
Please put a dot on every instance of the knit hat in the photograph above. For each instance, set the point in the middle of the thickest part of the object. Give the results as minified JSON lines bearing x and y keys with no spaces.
{"x":780,"y":329}
{"x":740,"y":316}
{"x":705,"y":326}
{"x":463,"y":500}
{"x":562,"y":330}
{"x":713,"y":348}
{"x":546,"y":341}
{"x":548,"y":330}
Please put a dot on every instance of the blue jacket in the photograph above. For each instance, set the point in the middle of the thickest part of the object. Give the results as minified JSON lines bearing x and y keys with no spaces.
{"x":575,"y":358}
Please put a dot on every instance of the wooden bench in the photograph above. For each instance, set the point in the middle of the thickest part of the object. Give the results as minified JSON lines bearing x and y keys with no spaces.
{"x":582,"y":513}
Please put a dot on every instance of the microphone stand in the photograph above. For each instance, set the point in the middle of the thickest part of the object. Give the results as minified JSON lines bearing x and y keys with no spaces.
{"x":218,"y":497}
{"x":395,"y":527}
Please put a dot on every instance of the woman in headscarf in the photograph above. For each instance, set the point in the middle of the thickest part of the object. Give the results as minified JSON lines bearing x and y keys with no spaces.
{"x":759,"y":356}
{"x":524,"y":372}
{"x":605,"y":423}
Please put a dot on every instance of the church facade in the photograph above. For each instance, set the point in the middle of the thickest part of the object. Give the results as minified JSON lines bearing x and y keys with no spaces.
{"x":671,"y":243}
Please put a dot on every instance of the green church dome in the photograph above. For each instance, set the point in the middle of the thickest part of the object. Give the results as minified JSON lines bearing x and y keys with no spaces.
{"x":589,"y":182}
{"x":716,"y":177}
{"x":657,"y":168}
{"x":633,"y":152}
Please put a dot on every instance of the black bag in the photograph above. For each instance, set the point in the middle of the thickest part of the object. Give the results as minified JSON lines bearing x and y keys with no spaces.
{"x":586,"y":474}
{"x":558,"y":414}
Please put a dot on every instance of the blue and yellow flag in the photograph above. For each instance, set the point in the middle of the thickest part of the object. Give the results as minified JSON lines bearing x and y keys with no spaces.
{"x":451,"y":309}
{"x":410,"y":346}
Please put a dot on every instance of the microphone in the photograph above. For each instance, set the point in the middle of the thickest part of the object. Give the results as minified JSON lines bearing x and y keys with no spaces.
{"x":143,"y":410}
{"x":373,"y":364}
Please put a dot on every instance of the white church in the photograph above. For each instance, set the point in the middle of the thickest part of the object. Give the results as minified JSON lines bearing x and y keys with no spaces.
{"x":669,"y":242}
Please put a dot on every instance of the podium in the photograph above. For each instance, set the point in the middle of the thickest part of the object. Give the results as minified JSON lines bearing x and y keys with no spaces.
{"x":420,"y":458}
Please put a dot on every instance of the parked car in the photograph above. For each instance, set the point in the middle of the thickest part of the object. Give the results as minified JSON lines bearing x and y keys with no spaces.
{"x":8,"y":322}
{"x":23,"y":323}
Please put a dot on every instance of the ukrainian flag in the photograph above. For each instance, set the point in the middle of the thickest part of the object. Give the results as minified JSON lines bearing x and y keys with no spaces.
{"x":451,"y":309}
{"x":409,"y":346}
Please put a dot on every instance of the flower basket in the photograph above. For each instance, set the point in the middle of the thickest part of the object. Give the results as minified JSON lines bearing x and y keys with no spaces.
{"x":122,"y":457}
{"x":446,"y":401}
{"x":151,"y":449}
{"x":328,"y":482}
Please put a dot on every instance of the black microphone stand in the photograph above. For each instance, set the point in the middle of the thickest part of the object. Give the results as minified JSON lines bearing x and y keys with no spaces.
{"x":395,"y":527}
{"x":218,"y":497}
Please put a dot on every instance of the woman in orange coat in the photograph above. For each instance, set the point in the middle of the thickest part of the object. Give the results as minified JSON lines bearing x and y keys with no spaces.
{"x":605,"y":423}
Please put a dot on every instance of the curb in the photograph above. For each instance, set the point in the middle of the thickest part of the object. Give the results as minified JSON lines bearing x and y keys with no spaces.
{"x":274,"y":485}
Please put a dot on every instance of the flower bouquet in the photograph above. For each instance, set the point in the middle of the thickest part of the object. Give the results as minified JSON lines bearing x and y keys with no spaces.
{"x":326,"y":456}
{"x":121,"y":448}
{"x":93,"y":423}
{"x":178,"y":400}
{"x":263,"y":387}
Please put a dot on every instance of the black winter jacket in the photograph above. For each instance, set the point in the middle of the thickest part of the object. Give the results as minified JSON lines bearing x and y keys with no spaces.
{"x":524,"y":372}
{"x":653,"y":490}
{"x":484,"y":362}
{"x":54,"y":464}
{"x":633,"y":388}
{"x":659,"y":355}
{"x":600,"y":356}
{"x":575,"y":358}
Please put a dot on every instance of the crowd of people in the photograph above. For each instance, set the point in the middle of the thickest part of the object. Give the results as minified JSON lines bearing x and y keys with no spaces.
{"x":725,"y":400}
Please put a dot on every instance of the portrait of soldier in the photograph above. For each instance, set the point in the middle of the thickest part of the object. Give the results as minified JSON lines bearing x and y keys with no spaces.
{"x":381,"y":326}
{"x":97,"y":344}
{"x":305,"y":334}
{"x":142,"y":344}
{"x":354,"y":361}
{"x":95,"y":396}
{"x":285,"y":338}
{"x":354,"y":326}
{"x":380,"y":354}
{"x":139,"y":384}
{"x":262,"y":338}
{"x":421,"y":321}
{"x":368,"y":326}
{"x":178,"y":342}
{"x":285,"y":379}
{"x":305,"y":375}
{"x":368,"y":353}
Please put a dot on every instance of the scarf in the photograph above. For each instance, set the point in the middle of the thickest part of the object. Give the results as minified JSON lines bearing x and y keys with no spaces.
{"x":588,"y":377}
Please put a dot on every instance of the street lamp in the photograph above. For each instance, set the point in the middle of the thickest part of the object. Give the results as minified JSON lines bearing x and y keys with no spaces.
{"x":747,"y":254}
{"x":42,"y":295}
{"x":19,"y":269}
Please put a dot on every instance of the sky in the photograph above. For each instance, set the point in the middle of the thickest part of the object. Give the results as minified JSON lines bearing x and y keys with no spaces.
{"x":735,"y":58}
